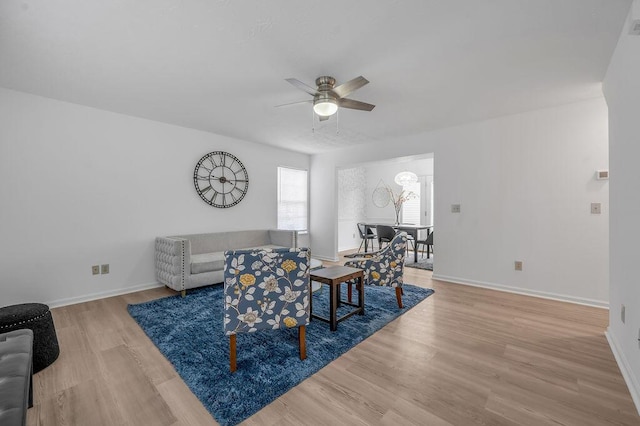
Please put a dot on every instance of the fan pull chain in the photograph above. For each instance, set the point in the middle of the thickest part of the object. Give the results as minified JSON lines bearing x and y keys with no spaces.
{"x":313,"y":122}
{"x":337,"y":120}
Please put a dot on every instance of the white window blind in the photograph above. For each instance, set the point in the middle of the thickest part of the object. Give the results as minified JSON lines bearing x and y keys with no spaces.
{"x":411,"y":208}
{"x":292,"y":199}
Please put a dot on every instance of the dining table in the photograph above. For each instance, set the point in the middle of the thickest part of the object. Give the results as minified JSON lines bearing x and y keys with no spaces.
{"x":409,"y":228}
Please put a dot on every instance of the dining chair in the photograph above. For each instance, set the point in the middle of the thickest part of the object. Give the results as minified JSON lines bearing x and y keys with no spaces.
{"x":266,"y":290}
{"x":385,"y":234}
{"x":411,"y":242}
{"x":366,"y":233}
{"x":428,"y":243}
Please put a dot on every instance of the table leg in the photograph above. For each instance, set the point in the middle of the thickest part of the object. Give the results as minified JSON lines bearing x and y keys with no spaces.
{"x":414,"y":234}
{"x":333,"y":306}
{"x":428,"y":232}
{"x":361,"y":295}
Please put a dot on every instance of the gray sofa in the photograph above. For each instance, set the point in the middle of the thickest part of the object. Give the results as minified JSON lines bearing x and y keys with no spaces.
{"x":195,"y":260}
{"x":16,"y":376}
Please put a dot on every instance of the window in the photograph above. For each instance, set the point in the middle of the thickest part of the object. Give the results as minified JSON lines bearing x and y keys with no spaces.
{"x":411,"y":208}
{"x":292,"y":199}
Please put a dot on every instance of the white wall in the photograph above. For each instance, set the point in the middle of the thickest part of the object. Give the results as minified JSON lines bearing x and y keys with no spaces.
{"x":525,"y":183}
{"x":386,"y":171}
{"x":622,"y":90}
{"x":81,"y":186}
{"x":351,"y":206}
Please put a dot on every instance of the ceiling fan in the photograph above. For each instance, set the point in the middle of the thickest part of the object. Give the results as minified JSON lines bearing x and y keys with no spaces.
{"x":327,"y":98}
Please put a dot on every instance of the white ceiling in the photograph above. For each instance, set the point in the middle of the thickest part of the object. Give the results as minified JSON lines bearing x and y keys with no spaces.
{"x":220,"y":65}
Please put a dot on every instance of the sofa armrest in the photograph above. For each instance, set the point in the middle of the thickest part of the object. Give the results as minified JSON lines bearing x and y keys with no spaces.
{"x":16,"y":376}
{"x":173,"y":260}
{"x":283,"y":238}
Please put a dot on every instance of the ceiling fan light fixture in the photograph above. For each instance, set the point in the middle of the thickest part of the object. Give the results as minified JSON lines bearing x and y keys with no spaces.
{"x":325,"y":107}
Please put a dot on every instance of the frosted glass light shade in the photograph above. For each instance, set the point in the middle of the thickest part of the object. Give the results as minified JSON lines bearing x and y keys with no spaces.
{"x":405,"y":178}
{"x":325,"y":108}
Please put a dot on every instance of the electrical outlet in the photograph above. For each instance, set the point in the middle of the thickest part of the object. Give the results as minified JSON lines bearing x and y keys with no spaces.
{"x":518,"y":265}
{"x":596,"y":208}
{"x":623,"y":311}
{"x":95,"y":269}
{"x":104,"y":269}
{"x":455,"y":208}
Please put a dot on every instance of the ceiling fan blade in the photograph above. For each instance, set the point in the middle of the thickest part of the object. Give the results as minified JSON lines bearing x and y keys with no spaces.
{"x":345,"y":88}
{"x":294,"y":103}
{"x":323,"y":117}
{"x":350,"y":103}
{"x":300,"y":85}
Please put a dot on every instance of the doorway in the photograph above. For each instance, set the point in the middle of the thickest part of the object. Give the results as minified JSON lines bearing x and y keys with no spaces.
{"x":356,"y":185}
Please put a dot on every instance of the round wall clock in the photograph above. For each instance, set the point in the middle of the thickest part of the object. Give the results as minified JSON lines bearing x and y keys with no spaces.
{"x":221,"y":179}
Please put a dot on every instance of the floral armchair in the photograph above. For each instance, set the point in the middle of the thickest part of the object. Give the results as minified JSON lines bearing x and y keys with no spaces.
{"x":266,"y":289}
{"x":384,"y":267}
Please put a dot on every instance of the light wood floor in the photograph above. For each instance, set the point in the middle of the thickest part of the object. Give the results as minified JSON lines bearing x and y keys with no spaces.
{"x":464,"y":356}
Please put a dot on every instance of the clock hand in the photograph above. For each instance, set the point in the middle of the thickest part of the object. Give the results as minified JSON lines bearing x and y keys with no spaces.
{"x":225,"y":180}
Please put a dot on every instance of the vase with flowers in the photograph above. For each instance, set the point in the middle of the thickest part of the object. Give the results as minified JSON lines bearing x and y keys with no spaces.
{"x":399,"y":199}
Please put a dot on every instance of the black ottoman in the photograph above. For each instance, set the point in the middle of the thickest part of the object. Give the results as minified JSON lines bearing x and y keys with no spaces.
{"x":36,"y":317}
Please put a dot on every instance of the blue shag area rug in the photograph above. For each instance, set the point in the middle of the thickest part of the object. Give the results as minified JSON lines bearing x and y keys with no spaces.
{"x":188,"y":331}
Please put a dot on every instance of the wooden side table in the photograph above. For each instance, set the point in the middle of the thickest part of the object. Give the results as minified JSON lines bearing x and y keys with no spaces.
{"x":333,"y":276}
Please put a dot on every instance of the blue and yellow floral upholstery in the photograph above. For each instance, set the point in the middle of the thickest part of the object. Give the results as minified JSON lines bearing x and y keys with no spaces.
{"x":266,"y":289}
{"x":385,"y":267}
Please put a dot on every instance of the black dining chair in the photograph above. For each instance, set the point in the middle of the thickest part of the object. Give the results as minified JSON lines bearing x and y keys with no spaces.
{"x":385,"y":234}
{"x":411,"y":242}
{"x":428,"y":243}
{"x":366,"y":233}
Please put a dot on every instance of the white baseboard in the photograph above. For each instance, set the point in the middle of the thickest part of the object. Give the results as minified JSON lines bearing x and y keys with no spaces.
{"x":629,"y":378}
{"x":542,"y":294}
{"x":101,"y":295}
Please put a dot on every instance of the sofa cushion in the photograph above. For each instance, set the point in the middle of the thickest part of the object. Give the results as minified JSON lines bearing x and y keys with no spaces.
{"x":207,"y":262}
